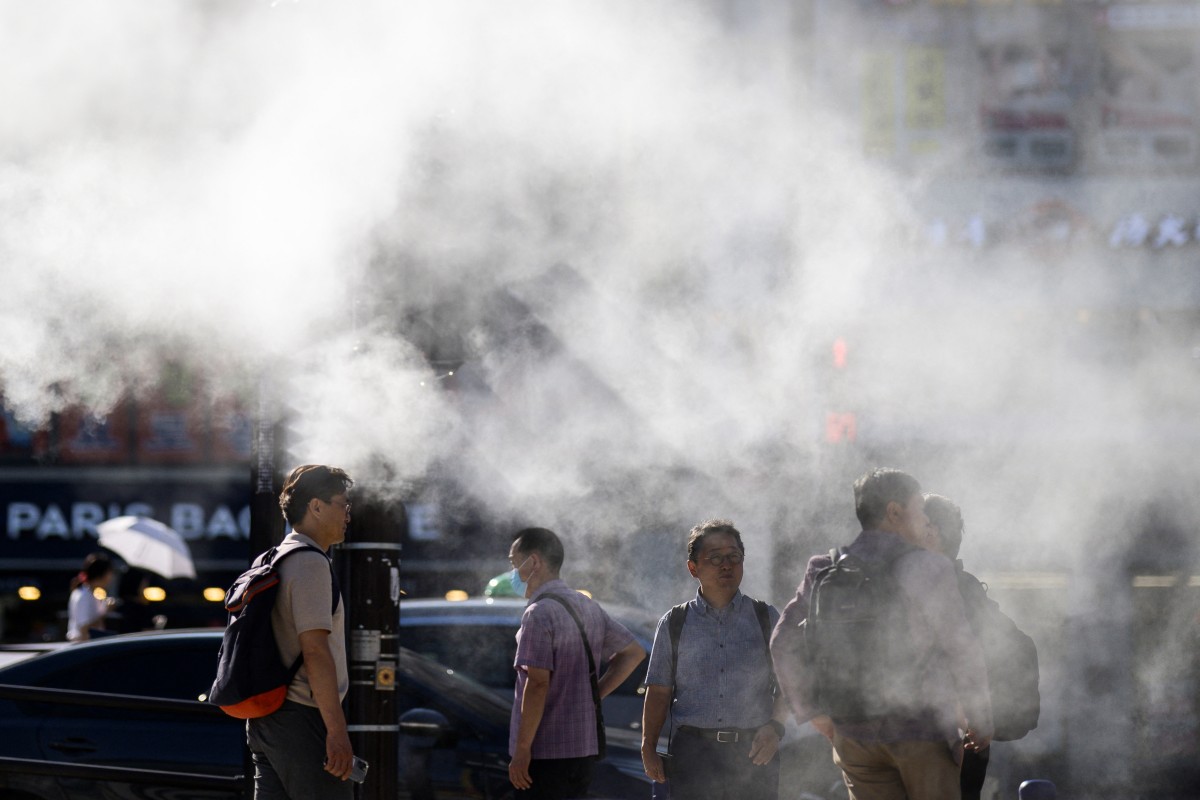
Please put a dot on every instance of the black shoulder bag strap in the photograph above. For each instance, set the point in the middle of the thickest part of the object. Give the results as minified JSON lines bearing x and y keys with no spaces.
{"x":675,"y":628}
{"x":592,"y":673}
{"x":763,"y":612}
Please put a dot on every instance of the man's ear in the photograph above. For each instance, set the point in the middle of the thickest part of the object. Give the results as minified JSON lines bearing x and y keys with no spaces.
{"x":894,"y":511}
{"x":691,"y":565}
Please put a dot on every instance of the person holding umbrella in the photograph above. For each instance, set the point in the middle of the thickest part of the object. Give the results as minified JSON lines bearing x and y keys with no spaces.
{"x":85,"y":611}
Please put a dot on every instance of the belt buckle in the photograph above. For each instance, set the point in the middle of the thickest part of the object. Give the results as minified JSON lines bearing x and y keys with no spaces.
{"x":727,"y":736}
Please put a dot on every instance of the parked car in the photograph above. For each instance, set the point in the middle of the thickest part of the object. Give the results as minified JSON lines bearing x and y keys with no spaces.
{"x":173,"y":732}
{"x":454,"y":733}
{"x":12,"y":653}
{"x":477,"y":637}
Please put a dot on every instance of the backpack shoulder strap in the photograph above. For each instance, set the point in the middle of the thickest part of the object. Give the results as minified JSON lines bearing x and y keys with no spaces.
{"x":675,"y":619}
{"x":763,"y":611}
{"x":277,"y":554}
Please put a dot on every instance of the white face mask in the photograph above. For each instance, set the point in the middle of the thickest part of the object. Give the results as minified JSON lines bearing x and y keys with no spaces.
{"x":519,"y":586}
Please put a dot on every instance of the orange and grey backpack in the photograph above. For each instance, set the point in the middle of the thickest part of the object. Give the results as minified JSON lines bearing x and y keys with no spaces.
{"x":252,"y":679}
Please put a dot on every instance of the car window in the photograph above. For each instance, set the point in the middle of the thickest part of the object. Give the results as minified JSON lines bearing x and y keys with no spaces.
{"x":482,"y":652}
{"x":425,"y":684}
{"x":180,"y":672}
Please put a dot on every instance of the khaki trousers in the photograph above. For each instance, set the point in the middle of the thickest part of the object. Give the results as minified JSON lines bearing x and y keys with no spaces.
{"x":910,"y":770}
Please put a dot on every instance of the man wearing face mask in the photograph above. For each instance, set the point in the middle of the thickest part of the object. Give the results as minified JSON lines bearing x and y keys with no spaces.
{"x":556,"y":728}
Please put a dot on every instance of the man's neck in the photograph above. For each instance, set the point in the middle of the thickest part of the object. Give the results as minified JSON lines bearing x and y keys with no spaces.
{"x":716,"y":597}
{"x":538,"y":581}
{"x":315,"y":537}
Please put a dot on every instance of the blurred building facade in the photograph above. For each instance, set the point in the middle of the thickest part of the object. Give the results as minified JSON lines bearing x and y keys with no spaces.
{"x":1050,"y":151}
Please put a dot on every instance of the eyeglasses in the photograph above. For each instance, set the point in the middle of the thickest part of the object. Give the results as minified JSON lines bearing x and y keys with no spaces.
{"x":733,"y":558}
{"x":344,"y":506}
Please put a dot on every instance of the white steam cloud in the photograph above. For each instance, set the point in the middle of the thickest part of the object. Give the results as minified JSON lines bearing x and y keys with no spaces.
{"x":272,"y":188}
{"x":633,"y":229}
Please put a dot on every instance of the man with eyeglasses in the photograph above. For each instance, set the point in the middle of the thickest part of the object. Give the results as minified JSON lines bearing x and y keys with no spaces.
{"x":710,"y":667}
{"x":302,"y":751}
{"x":564,"y":641}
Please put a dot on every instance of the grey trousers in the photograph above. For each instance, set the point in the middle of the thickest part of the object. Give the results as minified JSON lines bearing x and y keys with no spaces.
{"x":288,"y":749}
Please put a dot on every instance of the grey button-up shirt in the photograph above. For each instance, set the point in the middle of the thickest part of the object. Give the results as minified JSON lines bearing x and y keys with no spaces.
{"x":724,"y":675}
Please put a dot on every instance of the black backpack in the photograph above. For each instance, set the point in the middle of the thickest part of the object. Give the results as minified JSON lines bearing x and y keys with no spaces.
{"x":1011,"y":658}
{"x":858,"y":643}
{"x":252,"y":680}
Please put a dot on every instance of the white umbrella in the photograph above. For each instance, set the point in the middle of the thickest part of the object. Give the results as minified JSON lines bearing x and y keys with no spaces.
{"x":148,"y":544}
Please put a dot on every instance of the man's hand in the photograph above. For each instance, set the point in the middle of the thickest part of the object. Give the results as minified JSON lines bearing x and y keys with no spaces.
{"x":518,"y":768}
{"x":339,"y":755}
{"x":974,"y":742}
{"x":653,"y":764}
{"x":765,"y":745}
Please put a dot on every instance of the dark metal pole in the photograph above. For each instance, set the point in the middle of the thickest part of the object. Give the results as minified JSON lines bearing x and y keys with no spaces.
{"x":266,"y":520}
{"x":369,"y":571}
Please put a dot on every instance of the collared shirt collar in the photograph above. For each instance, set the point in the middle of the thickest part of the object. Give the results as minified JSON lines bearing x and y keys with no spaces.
{"x":303,"y":539}
{"x":705,"y":608}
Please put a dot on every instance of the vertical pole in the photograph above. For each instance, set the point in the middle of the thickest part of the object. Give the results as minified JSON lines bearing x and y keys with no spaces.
{"x":266,"y":520}
{"x":369,"y":571}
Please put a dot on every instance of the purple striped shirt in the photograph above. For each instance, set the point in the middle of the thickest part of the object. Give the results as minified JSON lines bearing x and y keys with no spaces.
{"x":549,"y":639}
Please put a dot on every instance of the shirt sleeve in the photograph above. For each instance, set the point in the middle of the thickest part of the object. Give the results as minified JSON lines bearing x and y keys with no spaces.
{"x":535,"y":640}
{"x":658,"y":670}
{"x":310,"y":591}
{"x":85,"y":608}
{"x":788,"y":647}
{"x":773,"y":615}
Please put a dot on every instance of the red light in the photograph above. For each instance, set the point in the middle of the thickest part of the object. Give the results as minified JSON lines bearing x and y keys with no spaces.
{"x":841,"y":426}
{"x":840,"y":349}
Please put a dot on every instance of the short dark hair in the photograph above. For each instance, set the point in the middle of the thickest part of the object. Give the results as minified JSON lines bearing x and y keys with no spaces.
{"x":710,"y":526}
{"x":305,"y":483}
{"x":95,"y":566}
{"x":542,"y":541}
{"x":949,"y":521}
{"x":874,"y":490}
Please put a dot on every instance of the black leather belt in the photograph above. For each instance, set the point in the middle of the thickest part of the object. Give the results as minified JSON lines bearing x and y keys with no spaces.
{"x":718,"y":735}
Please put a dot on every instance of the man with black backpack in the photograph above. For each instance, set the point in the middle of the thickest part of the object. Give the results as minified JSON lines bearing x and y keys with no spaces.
{"x":302,"y":751}
{"x":1010,"y":655}
{"x":875,"y":650}
{"x":710,"y":668}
